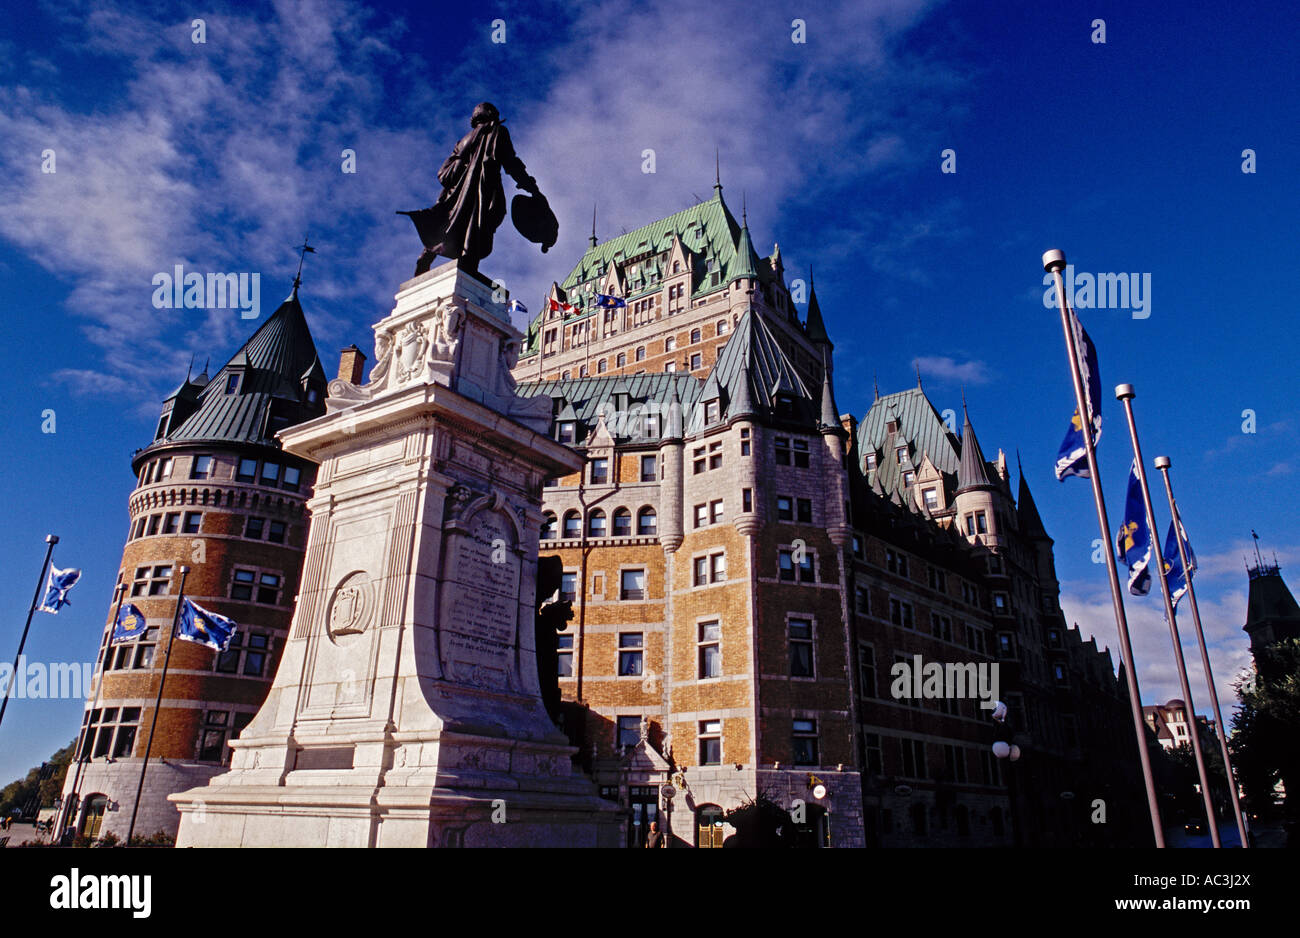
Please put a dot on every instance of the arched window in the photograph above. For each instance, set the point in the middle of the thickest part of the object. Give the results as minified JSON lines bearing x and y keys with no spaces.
{"x":93,"y":815}
{"x":677,"y":267}
{"x":548,"y":526}
{"x":646,"y":521}
{"x":622,"y":359}
{"x":572,"y":524}
{"x":722,"y":327}
{"x":640,"y":353}
{"x":708,"y":826}
{"x":622,"y":522}
{"x":596,"y":523}
{"x":695,"y":335}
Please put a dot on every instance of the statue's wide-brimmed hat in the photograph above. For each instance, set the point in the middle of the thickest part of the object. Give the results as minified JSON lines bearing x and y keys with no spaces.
{"x":534,"y":219}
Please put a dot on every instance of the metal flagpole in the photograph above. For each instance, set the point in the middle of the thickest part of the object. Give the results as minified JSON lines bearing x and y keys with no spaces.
{"x":99,"y":687}
{"x":1163,"y":463}
{"x":1054,"y":262}
{"x":171,"y":640}
{"x":51,"y":540}
{"x":1126,"y":394}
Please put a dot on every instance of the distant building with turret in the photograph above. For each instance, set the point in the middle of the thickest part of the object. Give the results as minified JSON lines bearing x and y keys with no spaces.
{"x":748,"y":566}
{"x":213,"y":492}
{"x":1272,"y":614}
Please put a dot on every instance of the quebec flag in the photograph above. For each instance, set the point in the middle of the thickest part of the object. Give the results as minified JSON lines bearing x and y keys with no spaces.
{"x":130,"y":624}
{"x":517,"y":307}
{"x":605,"y":301}
{"x":1133,"y":541}
{"x":1174,"y":562}
{"x":1072,"y":460}
{"x":56,"y":588}
{"x":206,"y":628}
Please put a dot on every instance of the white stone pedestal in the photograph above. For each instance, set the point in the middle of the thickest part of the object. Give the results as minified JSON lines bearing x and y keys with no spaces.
{"x":406,"y":709}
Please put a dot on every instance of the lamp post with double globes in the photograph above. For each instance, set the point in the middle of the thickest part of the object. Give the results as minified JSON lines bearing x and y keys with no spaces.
{"x":1005,"y":749}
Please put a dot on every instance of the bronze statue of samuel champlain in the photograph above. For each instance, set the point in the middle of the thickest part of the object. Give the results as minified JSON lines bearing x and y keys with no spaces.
{"x":461,"y":224}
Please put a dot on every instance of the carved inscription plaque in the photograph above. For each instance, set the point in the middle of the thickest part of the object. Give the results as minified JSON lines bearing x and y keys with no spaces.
{"x":480,"y":602}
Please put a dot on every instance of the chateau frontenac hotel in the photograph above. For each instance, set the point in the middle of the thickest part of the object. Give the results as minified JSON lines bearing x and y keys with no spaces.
{"x":745,"y":565}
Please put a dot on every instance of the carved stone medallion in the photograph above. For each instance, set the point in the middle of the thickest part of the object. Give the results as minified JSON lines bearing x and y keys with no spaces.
{"x":351,"y":605}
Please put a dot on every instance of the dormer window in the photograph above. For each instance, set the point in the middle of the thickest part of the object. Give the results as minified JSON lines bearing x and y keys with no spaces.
{"x":871,"y":461}
{"x":891,"y":427}
{"x":711,"y":411}
{"x":232,"y":383}
{"x":565,"y":431}
{"x":900,"y":453}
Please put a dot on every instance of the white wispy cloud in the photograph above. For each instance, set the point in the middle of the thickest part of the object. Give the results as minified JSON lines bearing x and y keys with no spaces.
{"x":945,"y":368}
{"x":221,"y":156}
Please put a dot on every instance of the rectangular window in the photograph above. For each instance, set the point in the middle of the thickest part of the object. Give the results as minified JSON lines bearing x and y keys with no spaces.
{"x":160,"y":581}
{"x":649,"y":468}
{"x":912,"y":752}
{"x":900,"y":613}
{"x":801,"y":454}
{"x":154,"y":522}
{"x":247,"y":471}
{"x":801,"y":648}
{"x":710,"y":742}
{"x":599,"y":471}
{"x":259,"y":646}
{"x":863,"y":601}
{"x":292,"y":476}
{"x":710,"y":649}
{"x":268,"y":588}
{"x":632,"y":584}
{"x":564,"y":430}
{"x":710,"y":407}
{"x":744,"y":441}
{"x":941,"y":626}
{"x":255,"y":528}
{"x":202,"y":468}
{"x":171,"y":522}
{"x":275,"y":532}
{"x":701,"y":515}
{"x":568,"y":586}
{"x":715,"y":455}
{"x":715,"y":511}
{"x":630,"y":653}
{"x":866,"y":671}
{"x":931,"y":497}
{"x":746,"y":500}
{"x":804,"y":506}
{"x":784,"y":508}
{"x":717,"y":568}
{"x":701,"y":571}
{"x":564,"y":655}
{"x":165,"y":469}
{"x":782,"y":447}
{"x":227,"y":662}
{"x":629,"y":731}
{"x":873,"y":755}
{"x":804,"y":733}
{"x":698,"y":462}
{"x":192,"y":522}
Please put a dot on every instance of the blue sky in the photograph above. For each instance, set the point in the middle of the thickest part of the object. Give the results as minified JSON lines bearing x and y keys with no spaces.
{"x":220,"y":156}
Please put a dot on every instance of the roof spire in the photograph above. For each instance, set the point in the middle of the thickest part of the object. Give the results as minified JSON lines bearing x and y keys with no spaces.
{"x":593,"y":224}
{"x":814,"y":325}
{"x":717,"y":172}
{"x":875,"y":386}
{"x":973,"y":471}
{"x":190,"y":369}
{"x":302,"y":253}
{"x":744,"y":210}
{"x":916,"y":363}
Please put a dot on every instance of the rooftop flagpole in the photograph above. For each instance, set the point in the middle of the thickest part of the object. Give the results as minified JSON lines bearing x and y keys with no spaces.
{"x":1054,"y":263}
{"x":1163,"y":463}
{"x":1126,"y":394}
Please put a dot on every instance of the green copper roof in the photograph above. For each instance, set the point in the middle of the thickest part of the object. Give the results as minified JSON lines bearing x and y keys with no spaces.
{"x":584,"y":399}
{"x":753,"y":364}
{"x":919,"y":424}
{"x":744,"y":263}
{"x":272,"y":372}
{"x":815,"y":327}
{"x":973,"y":472}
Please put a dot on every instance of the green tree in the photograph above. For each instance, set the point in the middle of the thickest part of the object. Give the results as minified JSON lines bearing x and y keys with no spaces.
{"x":1266,"y":741}
{"x":17,"y":795}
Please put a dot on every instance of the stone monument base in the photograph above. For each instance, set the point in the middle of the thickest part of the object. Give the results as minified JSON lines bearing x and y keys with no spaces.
{"x":406,"y":710}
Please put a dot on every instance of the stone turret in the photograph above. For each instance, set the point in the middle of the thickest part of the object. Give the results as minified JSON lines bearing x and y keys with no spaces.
{"x":671,"y":454}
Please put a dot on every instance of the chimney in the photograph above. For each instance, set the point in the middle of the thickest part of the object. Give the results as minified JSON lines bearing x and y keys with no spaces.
{"x":352,"y":362}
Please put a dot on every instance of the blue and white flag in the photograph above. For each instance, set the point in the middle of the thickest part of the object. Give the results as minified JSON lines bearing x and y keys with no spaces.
{"x":1072,"y":460}
{"x":1174,"y":563}
{"x":605,"y":301}
{"x":130,"y":624}
{"x":517,"y":307}
{"x":1134,"y":537}
{"x":56,"y":588}
{"x":206,"y":628}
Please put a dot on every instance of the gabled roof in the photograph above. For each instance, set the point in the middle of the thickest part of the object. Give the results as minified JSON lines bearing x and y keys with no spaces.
{"x":584,"y":399}
{"x":1269,"y":598}
{"x":919,"y":427}
{"x":272,"y":367}
{"x":754,"y":364}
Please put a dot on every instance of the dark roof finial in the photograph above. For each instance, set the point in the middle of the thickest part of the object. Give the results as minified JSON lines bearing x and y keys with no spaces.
{"x":593,"y":224}
{"x":717,"y":171}
{"x":875,"y":385}
{"x":916,"y":363}
{"x":190,"y":369}
{"x":302,"y":254}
